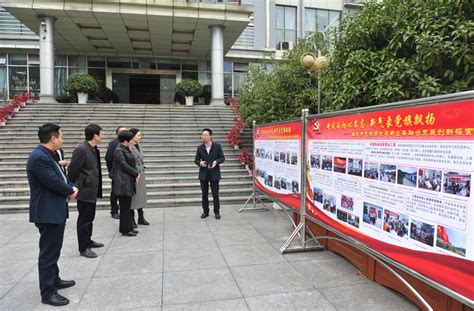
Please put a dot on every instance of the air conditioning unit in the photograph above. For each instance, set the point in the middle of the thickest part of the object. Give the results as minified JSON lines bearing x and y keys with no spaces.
{"x":286,"y":45}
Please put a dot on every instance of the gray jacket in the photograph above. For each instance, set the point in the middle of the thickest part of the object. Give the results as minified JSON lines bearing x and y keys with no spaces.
{"x":85,"y":172}
{"x":123,"y":172}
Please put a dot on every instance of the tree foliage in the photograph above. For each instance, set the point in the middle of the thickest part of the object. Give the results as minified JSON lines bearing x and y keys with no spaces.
{"x":386,"y":52}
{"x":399,"y":50}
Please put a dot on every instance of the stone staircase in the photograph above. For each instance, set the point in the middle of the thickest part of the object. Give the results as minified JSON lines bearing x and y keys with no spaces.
{"x":170,"y":137}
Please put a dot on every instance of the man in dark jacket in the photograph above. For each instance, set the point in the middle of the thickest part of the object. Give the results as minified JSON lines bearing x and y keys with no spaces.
{"x":209,"y":157}
{"x":49,"y":191}
{"x":85,"y":172}
{"x":109,"y":161}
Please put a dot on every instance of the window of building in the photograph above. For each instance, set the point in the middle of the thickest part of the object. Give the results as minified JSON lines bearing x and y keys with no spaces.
{"x":285,"y":24}
{"x":143,"y":63}
{"x":119,"y":62}
{"x":77,"y":61}
{"x":320,"y":20}
{"x":169,"y":64}
{"x":96,"y":61}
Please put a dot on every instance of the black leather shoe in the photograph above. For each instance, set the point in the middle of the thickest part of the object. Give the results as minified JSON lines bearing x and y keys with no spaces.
{"x":135,"y":231}
{"x":218,"y":216}
{"x":94,"y":244}
{"x":130,"y":233}
{"x":142,"y":221}
{"x":88,"y":253}
{"x":134,"y":224}
{"x":204,"y":215}
{"x":56,"y":300}
{"x":115,"y":216}
{"x":64,"y":284}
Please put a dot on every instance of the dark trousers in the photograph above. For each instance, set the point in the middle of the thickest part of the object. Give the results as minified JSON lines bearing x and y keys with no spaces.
{"x":50,"y":244}
{"x":205,"y":194}
{"x":125,"y":219}
{"x":114,"y":208}
{"x":84,"y":224}
{"x":140,"y":213}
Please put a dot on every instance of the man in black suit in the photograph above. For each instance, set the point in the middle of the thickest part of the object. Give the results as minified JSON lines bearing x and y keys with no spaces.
{"x":84,"y":171}
{"x":109,"y":161}
{"x":209,"y":157}
{"x":49,"y":193}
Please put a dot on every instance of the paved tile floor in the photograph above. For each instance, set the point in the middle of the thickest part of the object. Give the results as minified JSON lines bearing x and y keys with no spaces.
{"x":181,"y":262}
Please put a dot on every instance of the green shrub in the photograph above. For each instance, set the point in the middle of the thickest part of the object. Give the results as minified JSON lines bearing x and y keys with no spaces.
{"x":189,"y":88}
{"x":207,"y":93}
{"x":106,"y":95}
{"x":80,"y":83}
{"x":66,"y":98}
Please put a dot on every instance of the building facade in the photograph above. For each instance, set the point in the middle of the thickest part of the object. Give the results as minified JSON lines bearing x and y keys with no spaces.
{"x":142,"y":49}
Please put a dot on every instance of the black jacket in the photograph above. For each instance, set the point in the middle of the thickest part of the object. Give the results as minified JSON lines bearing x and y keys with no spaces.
{"x":123,"y":172}
{"x":215,"y":154}
{"x":84,"y":171}
{"x":109,"y":155}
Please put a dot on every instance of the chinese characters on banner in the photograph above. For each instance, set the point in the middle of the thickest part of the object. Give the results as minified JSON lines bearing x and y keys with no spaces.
{"x":277,"y":156}
{"x":400,"y":182}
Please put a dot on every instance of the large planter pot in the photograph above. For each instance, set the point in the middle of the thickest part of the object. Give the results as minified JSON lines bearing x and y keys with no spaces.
{"x":236,"y":147}
{"x":82,"y":98}
{"x":189,"y":100}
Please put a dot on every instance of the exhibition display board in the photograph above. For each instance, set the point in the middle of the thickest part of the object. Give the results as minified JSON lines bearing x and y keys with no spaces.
{"x":277,"y":154}
{"x":399,"y":181}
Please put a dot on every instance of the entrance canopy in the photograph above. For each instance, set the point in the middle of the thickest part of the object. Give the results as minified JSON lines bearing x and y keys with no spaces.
{"x":156,"y":28}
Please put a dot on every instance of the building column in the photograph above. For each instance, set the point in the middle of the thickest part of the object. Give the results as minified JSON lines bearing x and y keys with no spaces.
{"x":46,"y":43}
{"x":217,"y":64}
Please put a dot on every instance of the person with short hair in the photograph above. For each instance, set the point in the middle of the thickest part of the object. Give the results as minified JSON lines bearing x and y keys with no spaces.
{"x":84,"y":170}
{"x":49,"y":195}
{"x":109,"y":161}
{"x":209,"y":157}
{"x":124,"y":176}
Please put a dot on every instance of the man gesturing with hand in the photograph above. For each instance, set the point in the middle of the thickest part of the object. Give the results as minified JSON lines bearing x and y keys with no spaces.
{"x":209,"y":157}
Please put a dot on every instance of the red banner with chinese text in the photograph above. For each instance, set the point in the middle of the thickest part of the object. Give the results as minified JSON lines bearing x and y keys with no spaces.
{"x":277,"y":153}
{"x":399,"y":181}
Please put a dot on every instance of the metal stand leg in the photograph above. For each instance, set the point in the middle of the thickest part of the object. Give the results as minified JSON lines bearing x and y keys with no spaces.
{"x":301,"y":230}
{"x":254,"y":197}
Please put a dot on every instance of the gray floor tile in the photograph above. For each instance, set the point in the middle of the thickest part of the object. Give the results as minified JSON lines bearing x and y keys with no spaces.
{"x":133,"y":263}
{"x":305,"y":300}
{"x":370,"y":296}
{"x":238,"y":237}
{"x":186,"y":227}
{"x":241,"y":255}
{"x":139,"y":243}
{"x":193,"y":259}
{"x":221,"y":305}
{"x":13,"y":251}
{"x":15,"y":270}
{"x":199,"y":285}
{"x":324,"y":273}
{"x":189,"y":240}
{"x":4,"y":289}
{"x":268,"y":279}
{"x":230,"y":225}
{"x":122,"y":292}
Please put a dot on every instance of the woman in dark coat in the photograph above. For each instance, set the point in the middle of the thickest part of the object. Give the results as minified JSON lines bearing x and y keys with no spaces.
{"x":124,"y":178}
{"x":139,"y":200}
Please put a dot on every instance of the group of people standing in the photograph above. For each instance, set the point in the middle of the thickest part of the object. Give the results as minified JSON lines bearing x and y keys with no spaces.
{"x":54,"y":181}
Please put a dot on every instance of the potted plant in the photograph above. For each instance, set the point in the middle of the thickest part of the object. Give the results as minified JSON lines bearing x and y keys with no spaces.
{"x":80,"y":84}
{"x":189,"y":89}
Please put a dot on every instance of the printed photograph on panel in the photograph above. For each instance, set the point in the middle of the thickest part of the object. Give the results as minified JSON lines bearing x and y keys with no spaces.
{"x":327,"y":163}
{"x":388,"y":172}
{"x":294,"y":158}
{"x":353,"y":220}
{"x":371,"y":170}
{"x":429,"y":179}
{"x":373,"y":215}
{"x":329,"y":203}
{"x":457,"y":183}
{"x":276,"y":156}
{"x":295,"y":186}
{"x":315,"y":161}
{"x":406,"y":176}
{"x":347,"y":202}
{"x":341,"y":215}
{"x":318,"y":194}
{"x":395,"y":223}
{"x":451,"y":240}
{"x":354,"y":167}
{"x":422,"y":232}
{"x":340,"y":165}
